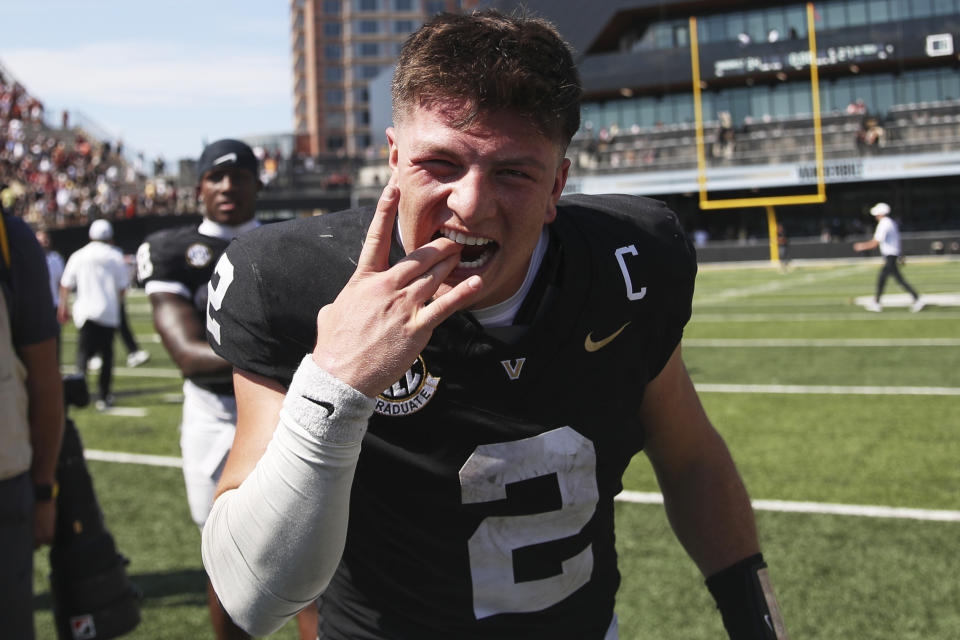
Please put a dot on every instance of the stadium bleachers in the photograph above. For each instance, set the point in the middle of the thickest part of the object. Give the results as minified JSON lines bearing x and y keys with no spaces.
{"x":908,"y":128}
{"x":56,"y":176}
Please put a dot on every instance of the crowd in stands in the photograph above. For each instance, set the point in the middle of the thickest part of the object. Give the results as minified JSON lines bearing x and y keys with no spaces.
{"x":53,"y":177}
{"x":63,"y":176}
{"x":60,"y":175}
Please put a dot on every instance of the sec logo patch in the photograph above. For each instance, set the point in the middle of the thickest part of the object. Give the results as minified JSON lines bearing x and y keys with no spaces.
{"x":409,"y":394}
{"x":199,"y":255}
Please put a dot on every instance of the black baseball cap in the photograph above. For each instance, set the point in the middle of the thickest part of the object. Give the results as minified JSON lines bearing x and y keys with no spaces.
{"x":227,"y":153}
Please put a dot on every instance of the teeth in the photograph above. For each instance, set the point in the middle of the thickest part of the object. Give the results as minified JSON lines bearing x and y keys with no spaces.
{"x":461,"y":238}
{"x":475,"y":264}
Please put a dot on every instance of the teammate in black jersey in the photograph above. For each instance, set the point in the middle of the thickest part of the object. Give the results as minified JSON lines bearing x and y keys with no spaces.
{"x":500,"y":353}
{"x":175,"y":265}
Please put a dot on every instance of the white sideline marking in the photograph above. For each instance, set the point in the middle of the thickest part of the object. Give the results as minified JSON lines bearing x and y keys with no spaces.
{"x":148,"y":337}
{"x":133,"y":458}
{"x":905,"y":300}
{"x":827,"y":389}
{"x":822,"y":508}
{"x":138,"y":372}
{"x":821,"y":342}
{"x":857,"y":315}
{"x":148,"y":372}
{"x":126,"y":412}
{"x":637,"y":497}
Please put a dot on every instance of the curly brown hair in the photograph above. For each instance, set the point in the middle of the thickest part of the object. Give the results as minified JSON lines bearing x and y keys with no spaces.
{"x":487,"y":61}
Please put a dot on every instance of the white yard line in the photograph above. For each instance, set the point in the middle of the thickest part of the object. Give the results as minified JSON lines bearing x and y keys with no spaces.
{"x":821,"y":508}
{"x":827,"y":389}
{"x":141,"y":337}
{"x":637,"y":497}
{"x":126,"y":412}
{"x":138,"y":372}
{"x":821,"y":342}
{"x":854,"y":315}
{"x":133,"y":458}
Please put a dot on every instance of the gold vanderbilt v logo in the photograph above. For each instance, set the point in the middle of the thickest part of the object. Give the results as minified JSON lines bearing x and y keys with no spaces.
{"x":590,"y":345}
{"x":513,"y":367}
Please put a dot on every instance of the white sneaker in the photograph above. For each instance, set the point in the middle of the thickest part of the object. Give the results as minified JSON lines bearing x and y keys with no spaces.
{"x":137,"y":358}
{"x":918,"y":305}
{"x":95,"y":363}
{"x":873,"y":305}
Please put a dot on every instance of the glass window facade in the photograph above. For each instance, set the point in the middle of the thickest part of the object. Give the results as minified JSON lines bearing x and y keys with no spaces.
{"x":878,"y":91}
{"x":791,"y":20}
{"x":367,"y":27}
{"x":367,"y":49}
{"x":366,"y":71}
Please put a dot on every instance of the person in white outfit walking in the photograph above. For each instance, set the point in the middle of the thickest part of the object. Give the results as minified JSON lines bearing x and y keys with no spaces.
{"x":887,"y":237}
{"x":100,"y":278}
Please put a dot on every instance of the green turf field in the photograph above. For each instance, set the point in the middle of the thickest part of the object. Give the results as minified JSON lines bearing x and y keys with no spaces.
{"x":826,"y":408}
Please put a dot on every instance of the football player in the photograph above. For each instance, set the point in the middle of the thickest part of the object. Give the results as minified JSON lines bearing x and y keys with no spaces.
{"x":463,"y":373}
{"x":175,"y":265}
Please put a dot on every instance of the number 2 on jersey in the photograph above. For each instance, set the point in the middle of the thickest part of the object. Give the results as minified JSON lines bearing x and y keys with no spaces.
{"x":571,"y":459}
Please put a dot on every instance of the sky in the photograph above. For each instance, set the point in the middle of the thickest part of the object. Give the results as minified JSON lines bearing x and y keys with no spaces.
{"x":164,"y":77}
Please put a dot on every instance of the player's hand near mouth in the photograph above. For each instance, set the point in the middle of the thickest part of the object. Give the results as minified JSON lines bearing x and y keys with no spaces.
{"x":381,"y":321}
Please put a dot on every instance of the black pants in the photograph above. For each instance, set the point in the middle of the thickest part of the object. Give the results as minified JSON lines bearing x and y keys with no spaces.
{"x":890,"y":268}
{"x":93,"y":339}
{"x":125,"y":333}
{"x":16,"y":557}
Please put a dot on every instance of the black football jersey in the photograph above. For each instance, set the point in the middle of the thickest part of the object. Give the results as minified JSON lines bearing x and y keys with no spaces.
{"x":482,"y":505}
{"x":184,"y":255}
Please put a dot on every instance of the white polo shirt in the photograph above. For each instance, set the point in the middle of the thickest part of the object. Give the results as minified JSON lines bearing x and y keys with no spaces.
{"x":888,"y":235}
{"x":98,"y":274}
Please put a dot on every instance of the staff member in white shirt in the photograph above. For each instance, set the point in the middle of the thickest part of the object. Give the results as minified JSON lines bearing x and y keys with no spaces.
{"x":100,"y":277}
{"x":887,"y":237}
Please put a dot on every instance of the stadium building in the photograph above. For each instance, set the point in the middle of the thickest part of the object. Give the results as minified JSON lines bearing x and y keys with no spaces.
{"x":338,"y":46}
{"x":886,"y":82}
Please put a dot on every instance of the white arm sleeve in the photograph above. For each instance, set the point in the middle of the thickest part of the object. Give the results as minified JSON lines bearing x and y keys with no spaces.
{"x":271,"y":545}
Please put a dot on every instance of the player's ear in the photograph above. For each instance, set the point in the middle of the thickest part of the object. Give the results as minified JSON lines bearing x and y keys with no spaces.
{"x":393,"y":152}
{"x":559,"y":182}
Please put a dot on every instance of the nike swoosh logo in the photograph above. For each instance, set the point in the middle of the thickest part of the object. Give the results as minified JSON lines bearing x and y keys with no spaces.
{"x":590,"y":345}
{"x":323,"y":403}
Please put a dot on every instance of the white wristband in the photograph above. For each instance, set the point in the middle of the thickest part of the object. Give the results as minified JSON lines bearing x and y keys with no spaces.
{"x":326,"y":407}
